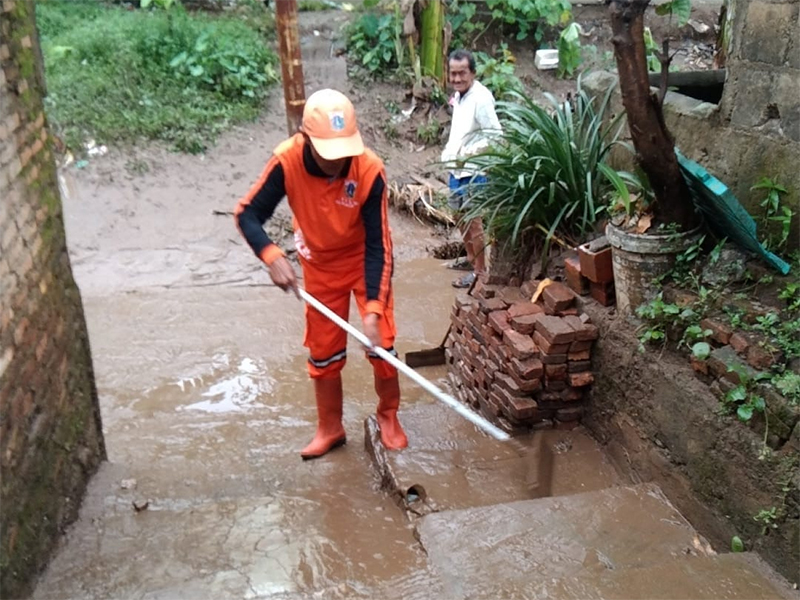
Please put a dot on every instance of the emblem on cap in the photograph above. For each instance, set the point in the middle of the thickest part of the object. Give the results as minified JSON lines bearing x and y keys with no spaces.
{"x":337,"y":120}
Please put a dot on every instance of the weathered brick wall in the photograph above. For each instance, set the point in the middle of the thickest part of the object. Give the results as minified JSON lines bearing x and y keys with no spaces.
{"x":50,"y":433}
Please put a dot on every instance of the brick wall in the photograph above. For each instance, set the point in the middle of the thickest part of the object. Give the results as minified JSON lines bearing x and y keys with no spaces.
{"x":50,"y":432}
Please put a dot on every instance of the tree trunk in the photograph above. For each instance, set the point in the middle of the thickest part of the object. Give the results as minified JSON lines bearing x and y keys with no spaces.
{"x":655,"y":148}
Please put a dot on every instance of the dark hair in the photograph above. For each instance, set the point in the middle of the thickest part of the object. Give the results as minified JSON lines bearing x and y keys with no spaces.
{"x":460,"y":55}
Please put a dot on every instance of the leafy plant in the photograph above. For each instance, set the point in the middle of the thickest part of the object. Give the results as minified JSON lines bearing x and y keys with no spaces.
{"x":660,"y":316}
{"x":464,"y":25}
{"x":744,"y":400}
{"x":774,"y":212}
{"x":569,"y":50}
{"x":162,"y":4}
{"x":497,"y":74}
{"x":373,"y":41}
{"x":652,"y":49}
{"x":767,"y":518}
{"x":118,"y":80}
{"x":524,"y":16}
{"x":788,"y":384}
{"x":547,"y":170}
{"x":680,"y":9}
{"x":791,"y":293}
{"x":701,"y":350}
{"x":429,"y":133}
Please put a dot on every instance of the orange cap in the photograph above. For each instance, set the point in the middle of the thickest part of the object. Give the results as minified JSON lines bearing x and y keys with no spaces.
{"x":329,"y":119}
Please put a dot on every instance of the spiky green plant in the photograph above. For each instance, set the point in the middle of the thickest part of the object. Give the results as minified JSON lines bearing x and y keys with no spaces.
{"x":548,"y":167}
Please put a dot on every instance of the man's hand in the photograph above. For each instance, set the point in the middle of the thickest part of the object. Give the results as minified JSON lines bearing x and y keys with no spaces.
{"x":282,"y":273}
{"x":371,"y":329}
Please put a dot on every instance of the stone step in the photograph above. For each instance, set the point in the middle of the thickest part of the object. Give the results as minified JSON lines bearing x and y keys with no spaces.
{"x":715,"y":577}
{"x":505,"y":551}
{"x":450,"y":465}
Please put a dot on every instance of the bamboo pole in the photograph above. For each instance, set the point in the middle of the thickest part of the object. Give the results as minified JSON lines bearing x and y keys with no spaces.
{"x":294,"y":93}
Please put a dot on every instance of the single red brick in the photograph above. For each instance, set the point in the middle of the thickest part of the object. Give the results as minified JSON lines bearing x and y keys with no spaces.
{"x":553,"y":359}
{"x":522,"y":409}
{"x":575,"y":280}
{"x":547,"y":347}
{"x":557,"y":371}
{"x":512,"y":295}
{"x":520,"y":346}
{"x":720,"y":332}
{"x":498,"y":320}
{"x":701,"y":366}
{"x":507,"y":383}
{"x":463,"y":301}
{"x":555,"y":385}
{"x":524,"y":324}
{"x":573,"y":413}
{"x":520,"y":309}
{"x":527,"y":386}
{"x":527,"y":369}
{"x":491,"y":404}
{"x":580,"y":365}
{"x":581,"y":346}
{"x":761,"y":357}
{"x":595,"y":260}
{"x":581,"y":379}
{"x":528,"y":289}
{"x":573,"y":394}
{"x":589,"y":333}
{"x":491,"y":304}
{"x":579,"y":356}
{"x":604,"y":293}
{"x":570,"y":312}
{"x":558,"y":296}
{"x":739,"y":342}
{"x":551,"y":398}
{"x":486,"y":291}
{"x":555,"y":330}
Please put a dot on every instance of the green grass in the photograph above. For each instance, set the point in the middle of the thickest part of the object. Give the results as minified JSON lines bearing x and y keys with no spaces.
{"x":120,"y":75}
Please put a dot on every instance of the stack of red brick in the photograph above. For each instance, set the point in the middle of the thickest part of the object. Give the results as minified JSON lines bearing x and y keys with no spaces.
{"x":522,"y":364}
{"x":591,"y":271}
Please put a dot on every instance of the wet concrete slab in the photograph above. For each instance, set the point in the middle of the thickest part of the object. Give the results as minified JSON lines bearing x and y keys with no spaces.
{"x":717,"y":577}
{"x":507,"y":551}
{"x":453,"y":465}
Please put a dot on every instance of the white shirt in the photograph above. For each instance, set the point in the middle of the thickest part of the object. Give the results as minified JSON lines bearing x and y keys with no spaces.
{"x":473,"y":125}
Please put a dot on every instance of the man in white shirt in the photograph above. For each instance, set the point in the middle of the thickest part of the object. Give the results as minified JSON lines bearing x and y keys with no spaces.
{"x":474,"y":123}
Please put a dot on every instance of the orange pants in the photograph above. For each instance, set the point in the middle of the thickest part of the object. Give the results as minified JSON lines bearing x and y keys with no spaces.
{"x":325,"y":340}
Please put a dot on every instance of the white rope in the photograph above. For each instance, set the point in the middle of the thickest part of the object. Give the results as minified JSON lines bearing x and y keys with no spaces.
{"x":462,"y":410}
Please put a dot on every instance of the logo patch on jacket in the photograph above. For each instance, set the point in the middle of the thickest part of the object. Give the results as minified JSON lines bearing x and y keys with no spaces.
{"x":350,"y":188}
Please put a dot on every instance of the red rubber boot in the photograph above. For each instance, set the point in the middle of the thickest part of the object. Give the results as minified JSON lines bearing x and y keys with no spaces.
{"x":330,"y":433}
{"x":392,"y":434}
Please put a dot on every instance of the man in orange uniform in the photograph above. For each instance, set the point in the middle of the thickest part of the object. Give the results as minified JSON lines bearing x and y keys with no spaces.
{"x":337,"y":192}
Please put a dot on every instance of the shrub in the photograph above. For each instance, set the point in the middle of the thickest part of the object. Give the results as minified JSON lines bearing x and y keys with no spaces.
{"x":546,"y":170}
{"x":116,"y":74}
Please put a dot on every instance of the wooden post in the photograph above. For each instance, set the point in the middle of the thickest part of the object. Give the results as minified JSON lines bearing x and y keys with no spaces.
{"x":294,"y":93}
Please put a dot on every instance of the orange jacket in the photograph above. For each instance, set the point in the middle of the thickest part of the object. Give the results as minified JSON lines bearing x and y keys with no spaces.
{"x":339,"y":222}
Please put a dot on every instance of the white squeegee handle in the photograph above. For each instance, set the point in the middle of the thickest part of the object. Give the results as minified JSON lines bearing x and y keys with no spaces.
{"x":462,"y":410}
